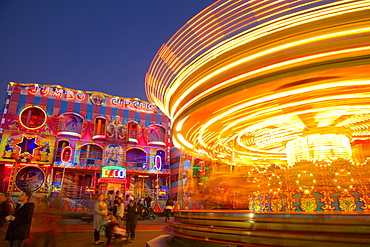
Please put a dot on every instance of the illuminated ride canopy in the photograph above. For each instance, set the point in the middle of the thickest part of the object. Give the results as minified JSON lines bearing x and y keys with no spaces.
{"x":275,"y":80}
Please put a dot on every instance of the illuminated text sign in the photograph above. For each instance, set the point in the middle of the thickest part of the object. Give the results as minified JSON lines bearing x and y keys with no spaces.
{"x":113,"y":172}
{"x":134,"y":105}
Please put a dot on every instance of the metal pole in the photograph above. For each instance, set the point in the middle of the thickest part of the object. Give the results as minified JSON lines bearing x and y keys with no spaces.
{"x":142,"y":191}
{"x":51,"y":179}
{"x":157,"y":185}
{"x":61,"y":185}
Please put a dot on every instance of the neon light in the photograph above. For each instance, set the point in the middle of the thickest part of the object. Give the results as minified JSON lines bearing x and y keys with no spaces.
{"x":66,"y":154}
{"x":113,"y":172}
{"x":28,"y":117}
{"x":159,"y":143}
{"x":56,"y":92}
{"x":134,"y":105}
{"x":158,"y":162}
{"x":69,"y":133}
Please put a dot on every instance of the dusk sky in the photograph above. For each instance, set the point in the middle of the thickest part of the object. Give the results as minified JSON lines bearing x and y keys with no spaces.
{"x":91,"y":45}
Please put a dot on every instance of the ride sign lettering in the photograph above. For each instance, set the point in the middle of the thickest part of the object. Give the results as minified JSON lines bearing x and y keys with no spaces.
{"x":113,"y":172}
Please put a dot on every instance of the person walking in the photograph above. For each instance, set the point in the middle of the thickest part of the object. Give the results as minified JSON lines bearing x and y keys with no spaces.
{"x":44,"y":222}
{"x":147,"y":201}
{"x":20,"y":222}
{"x":100,"y":211}
{"x":132,"y":210}
{"x":5,"y":210}
{"x":168,"y":208}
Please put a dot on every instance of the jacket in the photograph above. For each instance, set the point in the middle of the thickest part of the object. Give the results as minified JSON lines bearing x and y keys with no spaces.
{"x":5,"y":210}
{"x":132,"y":212}
{"x":19,"y":228}
{"x":100,"y":211}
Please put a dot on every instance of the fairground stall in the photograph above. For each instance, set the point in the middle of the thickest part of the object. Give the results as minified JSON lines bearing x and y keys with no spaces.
{"x":73,"y":144}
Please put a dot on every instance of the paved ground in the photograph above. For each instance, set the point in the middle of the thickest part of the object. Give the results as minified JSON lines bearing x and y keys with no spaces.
{"x":85,"y":239}
{"x":75,"y":233}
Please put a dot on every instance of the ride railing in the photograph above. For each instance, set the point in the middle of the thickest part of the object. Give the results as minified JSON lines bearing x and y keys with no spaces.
{"x":242,"y":227}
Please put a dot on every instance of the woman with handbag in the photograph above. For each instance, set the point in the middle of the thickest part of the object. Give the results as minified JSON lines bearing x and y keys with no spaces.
{"x":168,"y":208}
{"x":100,"y":211}
{"x":120,"y":212}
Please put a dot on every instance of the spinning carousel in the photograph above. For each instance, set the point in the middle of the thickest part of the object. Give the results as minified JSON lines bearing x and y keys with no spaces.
{"x":278,"y":91}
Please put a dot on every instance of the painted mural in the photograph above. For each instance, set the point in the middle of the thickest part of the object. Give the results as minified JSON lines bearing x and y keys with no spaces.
{"x":26,"y":148}
{"x":113,"y":155}
{"x":29,"y":178}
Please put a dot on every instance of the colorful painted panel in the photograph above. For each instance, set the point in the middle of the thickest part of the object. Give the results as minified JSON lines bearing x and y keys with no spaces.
{"x":29,"y":178}
{"x":156,"y":134}
{"x":70,"y":123}
{"x":113,"y":155}
{"x":115,"y":129}
{"x":19,"y":147}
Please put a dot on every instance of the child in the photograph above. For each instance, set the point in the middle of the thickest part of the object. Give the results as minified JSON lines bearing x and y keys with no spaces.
{"x":110,"y":223}
{"x":112,"y":229}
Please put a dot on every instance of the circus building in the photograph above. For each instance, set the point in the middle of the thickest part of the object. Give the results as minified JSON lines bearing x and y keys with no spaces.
{"x":274,"y":96}
{"x":73,"y":144}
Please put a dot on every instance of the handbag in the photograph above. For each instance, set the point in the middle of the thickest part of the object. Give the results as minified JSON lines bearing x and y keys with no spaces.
{"x":169,"y":207}
{"x":102,"y":227}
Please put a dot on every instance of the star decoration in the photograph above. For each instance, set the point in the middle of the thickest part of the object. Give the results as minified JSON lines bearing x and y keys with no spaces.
{"x":27,"y":145}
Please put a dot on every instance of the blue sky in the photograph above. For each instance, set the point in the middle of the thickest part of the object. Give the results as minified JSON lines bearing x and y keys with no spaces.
{"x":93,"y":45}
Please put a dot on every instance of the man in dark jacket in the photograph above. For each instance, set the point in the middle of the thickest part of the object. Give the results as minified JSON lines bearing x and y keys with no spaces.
{"x":132,"y":210}
{"x":20,"y":222}
{"x":5,"y":210}
{"x":147,"y":201}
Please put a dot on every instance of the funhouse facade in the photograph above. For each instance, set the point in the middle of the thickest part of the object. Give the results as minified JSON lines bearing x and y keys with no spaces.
{"x":74,"y":144}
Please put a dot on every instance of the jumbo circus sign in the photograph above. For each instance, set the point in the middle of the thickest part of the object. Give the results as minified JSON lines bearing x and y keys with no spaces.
{"x":95,"y":98}
{"x":54,"y":92}
{"x":134,"y":105}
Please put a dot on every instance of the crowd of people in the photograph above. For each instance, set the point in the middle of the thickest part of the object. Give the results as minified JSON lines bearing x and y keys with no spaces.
{"x":112,"y":212}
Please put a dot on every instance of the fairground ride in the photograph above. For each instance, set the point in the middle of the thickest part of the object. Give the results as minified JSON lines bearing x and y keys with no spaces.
{"x":279,"y":91}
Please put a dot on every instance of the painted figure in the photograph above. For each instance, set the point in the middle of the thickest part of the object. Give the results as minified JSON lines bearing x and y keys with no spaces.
{"x":115,"y":129}
{"x":113,"y":155}
{"x":9,"y":150}
{"x":44,"y":152}
{"x":14,"y":125}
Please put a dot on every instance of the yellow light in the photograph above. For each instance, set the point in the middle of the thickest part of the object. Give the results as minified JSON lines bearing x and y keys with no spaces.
{"x":183,"y":141}
{"x":179,"y":125}
{"x":318,"y":147}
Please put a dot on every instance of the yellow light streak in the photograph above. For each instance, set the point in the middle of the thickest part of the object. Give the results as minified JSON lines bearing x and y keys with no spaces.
{"x":270,"y":67}
{"x":309,"y":17}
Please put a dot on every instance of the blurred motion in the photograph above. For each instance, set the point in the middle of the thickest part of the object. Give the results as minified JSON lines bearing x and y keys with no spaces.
{"x":269,"y":102}
{"x":5,"y":210}
{"x":45,"y":223}
{"x":274,"y":98}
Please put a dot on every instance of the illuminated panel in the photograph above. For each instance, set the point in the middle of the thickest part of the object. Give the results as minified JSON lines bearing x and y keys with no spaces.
{"x":114,"y":172}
